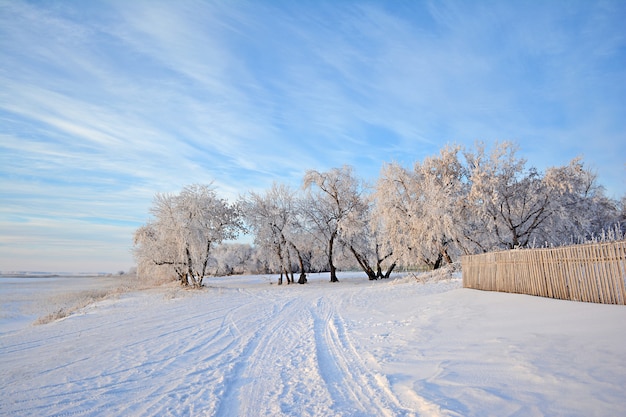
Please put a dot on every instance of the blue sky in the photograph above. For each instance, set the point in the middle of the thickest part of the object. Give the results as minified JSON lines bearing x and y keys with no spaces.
{"x":105,"y":103}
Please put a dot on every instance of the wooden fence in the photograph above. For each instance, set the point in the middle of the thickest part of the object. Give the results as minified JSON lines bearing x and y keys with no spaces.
{"x":592,"y":272}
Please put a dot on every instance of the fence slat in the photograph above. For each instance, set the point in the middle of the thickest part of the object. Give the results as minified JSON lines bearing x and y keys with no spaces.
{"x":593,"y":272}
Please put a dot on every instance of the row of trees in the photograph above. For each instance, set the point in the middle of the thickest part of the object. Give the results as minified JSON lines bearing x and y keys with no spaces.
{"x":458,"y":202}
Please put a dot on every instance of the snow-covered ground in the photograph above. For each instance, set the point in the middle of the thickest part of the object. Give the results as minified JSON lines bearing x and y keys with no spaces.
{"x":243,"y":347}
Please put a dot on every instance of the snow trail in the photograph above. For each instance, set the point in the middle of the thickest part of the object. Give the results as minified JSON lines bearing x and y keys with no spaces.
{"x":242,"y":347}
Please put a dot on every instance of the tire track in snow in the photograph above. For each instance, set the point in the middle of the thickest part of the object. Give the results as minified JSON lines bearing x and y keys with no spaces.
{"x":411,"y":402}
{"x":276,"y":373}
{"x":355,"y":389}
{"x":213,"y":355}
{"x":191,"y":351}
{"x":225,"y":352}
{"x":182,"y":360}
{"x":289,"y":366}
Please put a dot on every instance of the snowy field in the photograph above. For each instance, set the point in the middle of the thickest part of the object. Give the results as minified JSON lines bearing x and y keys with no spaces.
{"x":243,"y":347}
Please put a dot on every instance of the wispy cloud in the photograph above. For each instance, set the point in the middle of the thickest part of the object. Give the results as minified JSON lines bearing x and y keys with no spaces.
{"x":104,"y":104}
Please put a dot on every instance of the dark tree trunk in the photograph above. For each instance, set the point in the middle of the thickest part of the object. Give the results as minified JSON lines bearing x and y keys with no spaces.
{"x":190,"y":275}
{"x":206,"y":261}
{"x":279,"y":252}
{"x":379,"y":262}
{"x":446,"y":256}
{"x":365,"y":266}
{"x":189,"y":260}
{"x":333,"y":270}
{"x":302,"y":279}
{"x":391,"y":268}
{"x":438,"y":262}
{"x":333,"y":274}
{"x":379,"y":272}
{"x":289,"y":270}
{"x":442,"y":257}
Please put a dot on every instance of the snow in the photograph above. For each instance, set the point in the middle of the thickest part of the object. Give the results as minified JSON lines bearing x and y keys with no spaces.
{"x":244,"y":346}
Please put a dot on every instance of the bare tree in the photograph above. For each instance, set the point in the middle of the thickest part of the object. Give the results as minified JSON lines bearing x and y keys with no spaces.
{"x":185,"y":228}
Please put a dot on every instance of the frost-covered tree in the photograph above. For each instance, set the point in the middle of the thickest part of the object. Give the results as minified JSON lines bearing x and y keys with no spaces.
{"x":509,"y":204}
{"x":233,"y":258}
{"x":395,"y":195}
{"x":580,"y":209}
{"x":512,"y":206}
{"x":420,"y":209}
{"x":184,"y":229}
{"x":275,"y":222}
{"x":364,"y":239}
{"x":446,"y":206}
{"x":333,"y":206}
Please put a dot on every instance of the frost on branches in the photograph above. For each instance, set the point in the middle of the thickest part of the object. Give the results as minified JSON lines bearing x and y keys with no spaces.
{"x":461,"y":201}
{"x":447,"y":205}
{"x":420,"y":209}
{"x":335,"y":207}
{"x":512,"y":206}
{"x":275,"y":220}
{"x":184,"y":229}
{"x":340,"y":212}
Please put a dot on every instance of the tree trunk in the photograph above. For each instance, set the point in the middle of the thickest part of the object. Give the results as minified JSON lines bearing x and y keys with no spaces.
{"x":333,"y":274}
{"x":379,"y":262}
{"x":333,"y":270}
{"x":190,"y":275}
{"x":206,"y":261}
{"x":446,"y":256}
{"x":379,"y":272}
{"x":302,"y":279}
{"x":443,"y":256}
{"x":391,"y":268}
{"x":364,"y":264}
{"x":182,"y":277}
{"x":279,"y":252}
{"x":289,"y":270}
{"x":438,"y":262}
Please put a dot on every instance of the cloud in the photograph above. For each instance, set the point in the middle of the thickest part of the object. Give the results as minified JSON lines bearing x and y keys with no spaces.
{"x":104,"y":104}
